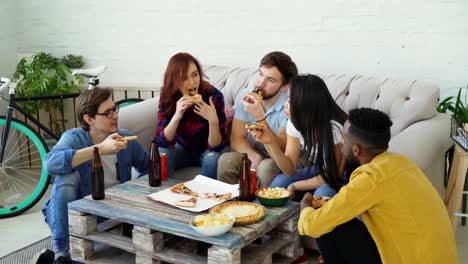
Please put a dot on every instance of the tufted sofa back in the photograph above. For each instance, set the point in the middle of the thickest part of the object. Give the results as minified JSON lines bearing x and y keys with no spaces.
{"x":418,"y":132}
{"x":406,"y":102}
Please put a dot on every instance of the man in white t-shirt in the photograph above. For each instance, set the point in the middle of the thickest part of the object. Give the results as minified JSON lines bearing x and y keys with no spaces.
{"x":71,"y":158}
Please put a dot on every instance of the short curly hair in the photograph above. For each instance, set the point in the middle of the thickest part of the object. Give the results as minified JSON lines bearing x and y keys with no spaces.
{"x":370,"y":126}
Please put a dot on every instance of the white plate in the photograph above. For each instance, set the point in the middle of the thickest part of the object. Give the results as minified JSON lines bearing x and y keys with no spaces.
{"x":201,"y":185}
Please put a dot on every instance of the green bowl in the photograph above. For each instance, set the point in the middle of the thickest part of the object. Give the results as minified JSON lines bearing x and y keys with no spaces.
{"x":273,"y":202}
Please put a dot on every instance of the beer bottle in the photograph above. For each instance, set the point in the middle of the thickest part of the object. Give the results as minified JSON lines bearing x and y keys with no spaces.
{"x":154,"y":166}
{"x":253,"y":183}
{"x":244,"y":178}
{"x":98,"y":177}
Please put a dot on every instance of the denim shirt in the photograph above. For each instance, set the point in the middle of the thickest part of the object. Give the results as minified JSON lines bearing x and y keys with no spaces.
{"x":58,"y":161}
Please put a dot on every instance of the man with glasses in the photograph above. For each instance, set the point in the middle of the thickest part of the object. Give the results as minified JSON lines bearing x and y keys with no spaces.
{"x":70,"y":162}
{"x":276,"y":71}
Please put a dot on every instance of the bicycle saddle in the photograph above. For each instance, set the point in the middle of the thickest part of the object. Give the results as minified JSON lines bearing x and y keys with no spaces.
{"x":4,"y":83}
{"x":88,"y":73}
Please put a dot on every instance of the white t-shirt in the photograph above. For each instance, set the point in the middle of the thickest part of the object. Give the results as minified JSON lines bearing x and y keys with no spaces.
{"x":108,"y":164}
{"x":337,"y":130}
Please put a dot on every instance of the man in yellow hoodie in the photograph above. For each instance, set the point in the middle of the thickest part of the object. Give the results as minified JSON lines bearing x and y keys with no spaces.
{"x":403,"y":213}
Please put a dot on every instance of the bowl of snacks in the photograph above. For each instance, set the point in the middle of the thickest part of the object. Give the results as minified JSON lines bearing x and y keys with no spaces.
{"x":273,"y":196}
{"x":212,"y":224}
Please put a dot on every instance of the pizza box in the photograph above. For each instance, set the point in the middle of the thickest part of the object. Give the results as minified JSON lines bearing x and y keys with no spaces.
{"x":200,"y":184}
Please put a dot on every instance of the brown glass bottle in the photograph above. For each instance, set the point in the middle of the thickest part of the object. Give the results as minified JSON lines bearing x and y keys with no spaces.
{"x":244,"y":180}
{"x":154,"y":165}
{"x":98,"y":177}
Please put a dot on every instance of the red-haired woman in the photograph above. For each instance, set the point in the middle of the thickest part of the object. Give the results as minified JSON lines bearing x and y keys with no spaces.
{"x":190,"y":131}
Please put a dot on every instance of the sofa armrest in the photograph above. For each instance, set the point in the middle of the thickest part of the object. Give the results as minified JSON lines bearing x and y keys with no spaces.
{"x":425,"y":143}
{"x":141,"y":119}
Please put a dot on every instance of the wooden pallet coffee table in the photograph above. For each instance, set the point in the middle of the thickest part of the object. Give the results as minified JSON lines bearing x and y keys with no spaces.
{"x":158,"y":226}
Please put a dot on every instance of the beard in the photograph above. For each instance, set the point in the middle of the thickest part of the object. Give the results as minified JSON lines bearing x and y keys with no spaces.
{"x":269,"y":96}
{"x":351,"y":160}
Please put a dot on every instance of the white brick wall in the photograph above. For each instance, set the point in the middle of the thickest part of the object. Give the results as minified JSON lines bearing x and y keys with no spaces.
{"x":7,"y":37}
{"x":411,"y":39}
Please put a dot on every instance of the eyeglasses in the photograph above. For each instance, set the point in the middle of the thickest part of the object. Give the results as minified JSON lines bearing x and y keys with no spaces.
{"x":110,"y":113}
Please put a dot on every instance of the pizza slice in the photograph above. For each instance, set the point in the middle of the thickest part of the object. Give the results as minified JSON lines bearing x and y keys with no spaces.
{"x":187,"y":203}
{"x":317,"y":202}
{"x":218,"y":196}
{"x":182,"y":189}
{"x":197,"y":98}
{"x":258,"y":94}
{"x":255,"y":127}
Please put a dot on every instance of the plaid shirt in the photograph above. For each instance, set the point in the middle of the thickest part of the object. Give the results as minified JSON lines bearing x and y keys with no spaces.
{"x":192,"y":132}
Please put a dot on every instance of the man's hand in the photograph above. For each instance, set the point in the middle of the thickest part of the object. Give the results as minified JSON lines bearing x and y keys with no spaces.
{"x":292,"y":190}
{"x":265,"y":136}
{"x":253,"y":106}
{"x":306,"y":201}
{"x":206,"y":111}
{"x":112,"y":144}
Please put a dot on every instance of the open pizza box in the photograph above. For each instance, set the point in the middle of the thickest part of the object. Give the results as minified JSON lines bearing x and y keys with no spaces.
{"x":201,"y":185}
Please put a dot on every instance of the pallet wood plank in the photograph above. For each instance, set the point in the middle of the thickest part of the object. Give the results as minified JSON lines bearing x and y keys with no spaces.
{"x":178,"y":257}
{"x":114,"y":240}
{"x":166,"y":254}
{"x":290,"y":225}
{"x":217,"y":255}
{"x":147,"y":240}
{"x":127,"y":203}
{"x":82,"y":224}
{"x":263,"y":253}
{"x":108,"y":225}
{"x":149,"y":206}
{"x":80,"y":248}
{"x":153,"y":221}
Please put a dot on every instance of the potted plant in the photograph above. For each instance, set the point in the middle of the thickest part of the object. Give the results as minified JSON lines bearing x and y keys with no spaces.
{"x":45,"y":74}
{"x":457,"y":107}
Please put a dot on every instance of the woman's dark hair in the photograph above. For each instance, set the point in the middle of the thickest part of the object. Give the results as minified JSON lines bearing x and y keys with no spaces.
{"x":312,"y":108}
{"x":176,"y":73}
{"x":283,"y":62}
{"x":89,"y":102}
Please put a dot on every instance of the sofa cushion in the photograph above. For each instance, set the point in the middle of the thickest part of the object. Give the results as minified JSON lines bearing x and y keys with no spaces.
{"x":406,"y":102}
{"x":141,"y":119}
{"x":229,"y":81}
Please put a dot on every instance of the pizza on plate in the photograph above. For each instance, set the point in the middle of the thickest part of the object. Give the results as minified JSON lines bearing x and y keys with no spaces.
{"x":182,"y":189}
{"x":187,"y":203}
{"x":218,"y":196}
{"x":244,"y":212}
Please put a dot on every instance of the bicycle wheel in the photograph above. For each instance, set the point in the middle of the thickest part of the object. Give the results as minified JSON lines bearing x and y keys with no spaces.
{"x":126,"y":102}
{"x":23,"y":177}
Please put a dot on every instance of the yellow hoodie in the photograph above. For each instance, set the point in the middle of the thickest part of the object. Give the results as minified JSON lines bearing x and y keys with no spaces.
{"x":401,"y":209}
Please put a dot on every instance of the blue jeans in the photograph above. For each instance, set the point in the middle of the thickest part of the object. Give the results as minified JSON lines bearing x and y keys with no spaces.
{"x":178,"y":157}
{"x":284,"y":181}
{"x":64,"y":190}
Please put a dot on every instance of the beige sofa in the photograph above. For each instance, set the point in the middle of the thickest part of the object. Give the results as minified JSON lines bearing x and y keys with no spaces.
{"x":418,"y":131}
